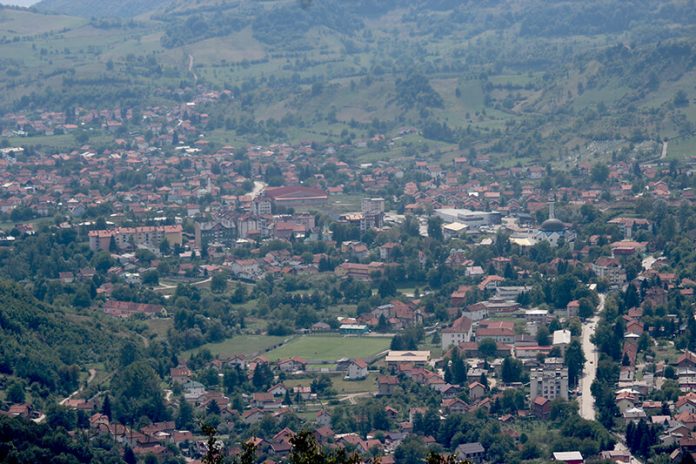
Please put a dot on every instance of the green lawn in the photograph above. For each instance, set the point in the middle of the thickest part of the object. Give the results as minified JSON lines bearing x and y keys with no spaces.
{"x":245,"y":344}
{"x":331,"y":348}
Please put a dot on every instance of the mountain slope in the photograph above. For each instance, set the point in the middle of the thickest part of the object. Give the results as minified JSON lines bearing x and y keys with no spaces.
{"x":100,"y":8}
{"x":45,"y":344}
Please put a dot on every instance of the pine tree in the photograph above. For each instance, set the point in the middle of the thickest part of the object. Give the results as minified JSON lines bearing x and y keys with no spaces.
{"x":106,"y":407}
{"x":129,"y":456}
{"x":184,"y":420}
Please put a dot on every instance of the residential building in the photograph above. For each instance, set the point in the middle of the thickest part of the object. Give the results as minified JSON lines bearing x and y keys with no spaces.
{"x":460,"y":331}
{"x":609,"y":269}
{"x":127,"y":237}
{"x":474,"y":452}
{"x":548,"y":382}
{"x":357,"y":369}
{"x":222,"y":231}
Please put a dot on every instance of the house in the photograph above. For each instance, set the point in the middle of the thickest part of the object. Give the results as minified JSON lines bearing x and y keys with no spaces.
{"x":454,"y":406}
{"x":180,"y":375}
{"x":634,"y":415}
{"x":541,"y":407}
{"x":323,"y":418}
{"x":476,"y":391}
{"x":474,"y":452}
{"x":460,"y":331}
{"x":294,"y":364}
{"x":252,"y":416}
{"x":278,"y":390}
{"x":386,"y":385}
{"x":357,"y":370}
{"x":568,"y":457}
{"x":263,"y":400}
{"x":193,"y":390}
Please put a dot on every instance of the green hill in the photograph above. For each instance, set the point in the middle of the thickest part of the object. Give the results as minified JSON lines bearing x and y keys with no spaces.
{"x":99,"y":8}
{"x":532,"y":79}
{"x":48,"y":345}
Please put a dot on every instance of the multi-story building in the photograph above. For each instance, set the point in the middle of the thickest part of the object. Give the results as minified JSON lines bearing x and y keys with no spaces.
{"x":372,"y":205}
{"x":461,"y":331}
{"x":222,"y":231}
{"x":549,"y":381}
{"x":610,"y":270}
{"x":372,"y":213}
{"x":126,"y":237}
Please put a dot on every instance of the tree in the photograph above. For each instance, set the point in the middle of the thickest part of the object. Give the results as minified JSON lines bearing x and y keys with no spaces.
{"x":488,"y":347}
{"x":214,"y":453}
{"x":543,"y":337}
{"x":263,"y":376}
{"x":218,"y":283}
{"x":681,"y":99}
{"x":575,"y":360}
{"x":151,"y":277}
{"x":213,"y":408}
{"x":458,"y":368}
{"x":600,"y":173}
{"x":387,"y":288}
{"x":184,"y":420}
{"x":137,"y":393}
{"x":164,"y":247}
{"x":106,"y":407}
{"x":586,"y":308}
{"x":129,"y":456}
{"x":15,"y":393}
{"x":411,"y":450}
{"x":511,"y":370}
{"x":435,"y":228}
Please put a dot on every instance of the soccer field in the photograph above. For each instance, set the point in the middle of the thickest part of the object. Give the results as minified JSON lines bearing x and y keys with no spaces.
{"x":330,"y":348}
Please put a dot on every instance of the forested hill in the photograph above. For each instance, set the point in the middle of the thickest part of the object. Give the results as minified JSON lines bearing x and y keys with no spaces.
{"x":48,"y":345}
{"x":100,"y":8}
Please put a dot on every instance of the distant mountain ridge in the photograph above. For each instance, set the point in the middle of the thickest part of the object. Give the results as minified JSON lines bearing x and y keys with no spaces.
{"x":100,"y":8}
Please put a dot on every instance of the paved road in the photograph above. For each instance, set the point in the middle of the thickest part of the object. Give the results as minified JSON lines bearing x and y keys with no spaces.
{"x":587,"y":409}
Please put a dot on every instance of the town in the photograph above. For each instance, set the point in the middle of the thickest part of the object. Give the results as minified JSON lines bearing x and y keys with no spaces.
{"x":496,"y":313}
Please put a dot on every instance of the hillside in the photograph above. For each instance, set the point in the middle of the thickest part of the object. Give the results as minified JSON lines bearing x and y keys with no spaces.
{"x":47,"y":345}
{"x":497,"y":76}
{"x":99,"y":8}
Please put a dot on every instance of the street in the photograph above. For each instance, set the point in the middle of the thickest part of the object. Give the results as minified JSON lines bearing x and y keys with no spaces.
{"x":587,"y":410}
{"x":586,"y":400}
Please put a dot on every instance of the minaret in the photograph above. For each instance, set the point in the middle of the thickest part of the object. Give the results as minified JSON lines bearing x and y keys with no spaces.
{"x":552,"y":209}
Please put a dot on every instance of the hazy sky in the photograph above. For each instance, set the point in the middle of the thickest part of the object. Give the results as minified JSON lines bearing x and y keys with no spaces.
{"x":18,"y":2}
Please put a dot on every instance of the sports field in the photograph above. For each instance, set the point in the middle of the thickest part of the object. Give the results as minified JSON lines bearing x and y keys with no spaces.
{"x":330,"y":348}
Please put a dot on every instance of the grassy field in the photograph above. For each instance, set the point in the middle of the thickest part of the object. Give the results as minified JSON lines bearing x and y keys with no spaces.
{"x":330,"y":348}
{"x":245,"y":344}
{"x":160,"y":326}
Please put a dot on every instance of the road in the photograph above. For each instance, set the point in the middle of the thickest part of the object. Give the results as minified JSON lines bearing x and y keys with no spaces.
{"x":92,"y":374}
{"x":587,"y":406}
{"x":663,"y":155}
{"x":258,"y":188}
{"x":190,"y":68}
{"x":587,"y":409}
